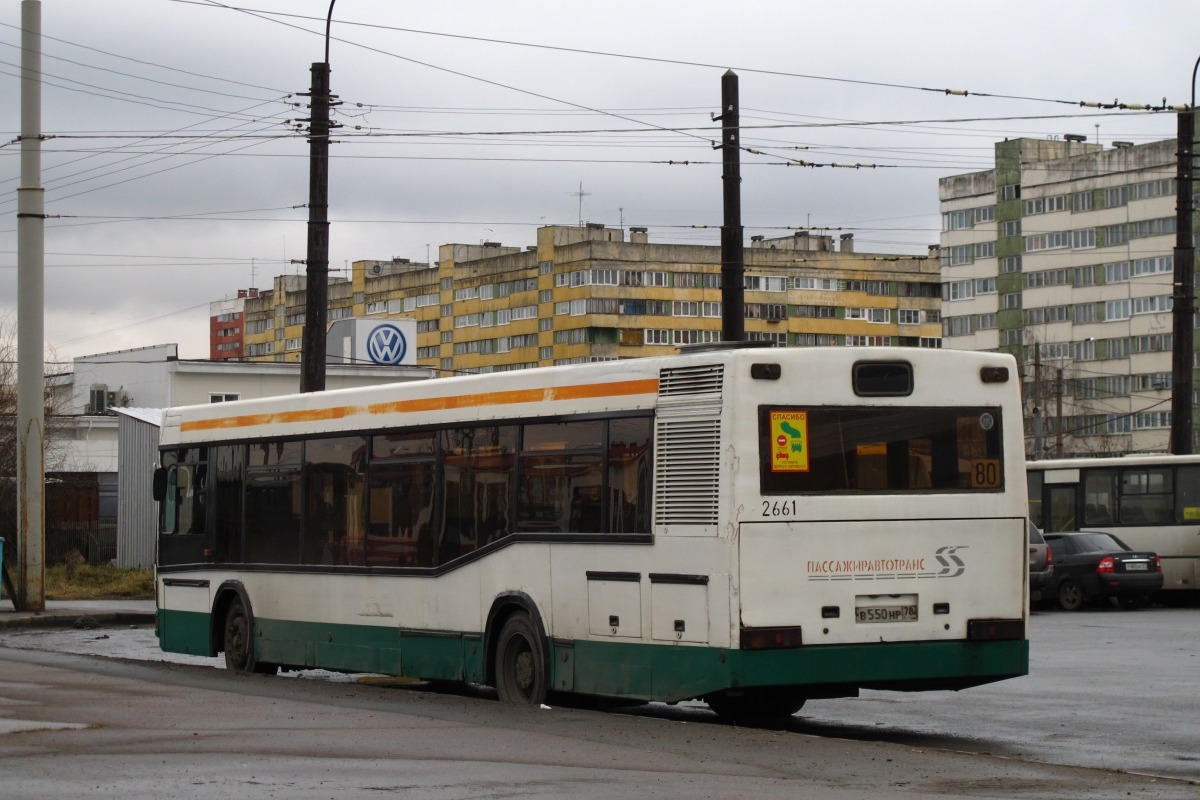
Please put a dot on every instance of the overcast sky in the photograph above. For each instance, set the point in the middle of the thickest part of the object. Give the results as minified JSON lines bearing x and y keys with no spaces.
{"x":178,"y":176}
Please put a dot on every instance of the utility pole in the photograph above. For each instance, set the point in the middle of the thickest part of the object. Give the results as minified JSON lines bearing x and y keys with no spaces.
{"x":1058,"y":423}
{"x":733,"y":269}
{"x":1183,"y":298}
{"x":316,"y":312}
{"x":31,"y":378}
{"x":1039,"y":418}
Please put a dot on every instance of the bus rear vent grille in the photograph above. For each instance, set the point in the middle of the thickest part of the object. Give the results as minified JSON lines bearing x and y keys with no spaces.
{"x":687,"y":472}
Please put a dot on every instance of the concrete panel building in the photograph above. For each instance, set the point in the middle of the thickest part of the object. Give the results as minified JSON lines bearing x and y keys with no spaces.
{"x":587,"y":293}
{"x":1062,"y":254}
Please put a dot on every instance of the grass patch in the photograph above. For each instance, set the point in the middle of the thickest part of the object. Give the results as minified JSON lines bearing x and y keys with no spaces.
{"x":103,"y":582}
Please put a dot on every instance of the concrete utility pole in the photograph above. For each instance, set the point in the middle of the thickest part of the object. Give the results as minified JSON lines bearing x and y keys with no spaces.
{"x":31,"y":379}
{"x":733,"y":268}
{"x":1183,"y":298}
{"x":316,"y":312}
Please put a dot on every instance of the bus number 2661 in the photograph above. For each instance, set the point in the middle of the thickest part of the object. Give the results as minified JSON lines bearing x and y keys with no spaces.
{"x":779,"y":508}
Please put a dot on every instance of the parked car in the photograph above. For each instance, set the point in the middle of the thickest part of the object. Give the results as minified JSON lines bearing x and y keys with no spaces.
{"x":1041,"y":565}
{"x":1092,"y":564}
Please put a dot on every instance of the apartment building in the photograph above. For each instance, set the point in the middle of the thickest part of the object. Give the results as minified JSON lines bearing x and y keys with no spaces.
{"x":1062,"y":254}
{"x":587,"y":294}
{"x":226,"y":323}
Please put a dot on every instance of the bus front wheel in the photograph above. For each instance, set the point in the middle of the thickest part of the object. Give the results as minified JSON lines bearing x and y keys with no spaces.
{"x":239,"y":642}
{"x":520,"y":662}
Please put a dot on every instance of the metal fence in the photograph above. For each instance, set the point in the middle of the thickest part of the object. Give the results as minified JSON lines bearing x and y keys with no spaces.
{"x":95,"y":543}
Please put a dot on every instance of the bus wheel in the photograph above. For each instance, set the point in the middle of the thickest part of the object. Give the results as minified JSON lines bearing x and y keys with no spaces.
{"x":239,"y":642}
{"x":756,"y":704}
{"x":1070,"y":596}
{"x":520,"y":662}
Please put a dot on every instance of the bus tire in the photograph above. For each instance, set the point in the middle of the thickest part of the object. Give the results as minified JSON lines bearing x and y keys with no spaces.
{"x":756,"y":704}
{"x":520,"y":662}
{"x":1070,"y":595}
{"x":239,"y":642}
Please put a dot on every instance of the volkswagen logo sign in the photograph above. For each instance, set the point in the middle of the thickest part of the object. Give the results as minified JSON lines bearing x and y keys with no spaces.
{"x":386,"y":345}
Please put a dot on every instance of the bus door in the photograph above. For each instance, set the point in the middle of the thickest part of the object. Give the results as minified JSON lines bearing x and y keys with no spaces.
{"x":1060,"y":500}
{"x":1060,"y":504}
{"x":181,"y":487}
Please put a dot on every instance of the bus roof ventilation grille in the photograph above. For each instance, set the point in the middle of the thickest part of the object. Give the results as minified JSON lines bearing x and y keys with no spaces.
{"x":691,"y":384}
{"x":687,"y":471}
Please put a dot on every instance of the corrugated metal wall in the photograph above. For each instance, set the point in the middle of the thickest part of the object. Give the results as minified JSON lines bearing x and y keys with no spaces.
{"x":137,"y":513}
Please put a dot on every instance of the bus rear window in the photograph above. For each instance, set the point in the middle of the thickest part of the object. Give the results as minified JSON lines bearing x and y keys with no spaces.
{"x":826,"y":449}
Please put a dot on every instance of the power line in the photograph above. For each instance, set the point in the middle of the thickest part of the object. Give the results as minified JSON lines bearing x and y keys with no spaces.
{"x":46,"y":37}
{"x":1115,"y":104}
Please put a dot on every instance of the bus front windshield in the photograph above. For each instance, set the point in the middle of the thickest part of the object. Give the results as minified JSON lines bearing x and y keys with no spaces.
{"x":827,"y":449}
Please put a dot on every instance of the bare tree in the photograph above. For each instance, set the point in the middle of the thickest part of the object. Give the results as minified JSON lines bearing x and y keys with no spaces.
{"x":9,"y":439}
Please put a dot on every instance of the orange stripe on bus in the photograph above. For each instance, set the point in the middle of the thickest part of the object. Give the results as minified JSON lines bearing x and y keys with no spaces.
{"x":510,"y":397}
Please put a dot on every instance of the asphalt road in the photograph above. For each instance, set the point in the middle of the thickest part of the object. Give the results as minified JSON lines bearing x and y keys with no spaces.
{"x":1111,"y":693}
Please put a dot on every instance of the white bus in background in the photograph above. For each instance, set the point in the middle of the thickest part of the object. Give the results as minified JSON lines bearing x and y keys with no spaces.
{"x":752,"y":526}
{"x":1149,"y":502}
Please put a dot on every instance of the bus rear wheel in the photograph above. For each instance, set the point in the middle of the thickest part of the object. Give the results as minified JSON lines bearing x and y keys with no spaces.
{"x":756,"y":704}
{"x":520,"y":662}
{"x":239,"y":642}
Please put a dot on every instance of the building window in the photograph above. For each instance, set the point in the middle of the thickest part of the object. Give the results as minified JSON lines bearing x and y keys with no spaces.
{"x":222,"y":397}
{"x":1010,"y":264}
{"x":958,"y":290}
{"x":1083,"y":239}
{"x":1116,"y":272}
{"x":1116,"y":309}
{"x":958,"y":220}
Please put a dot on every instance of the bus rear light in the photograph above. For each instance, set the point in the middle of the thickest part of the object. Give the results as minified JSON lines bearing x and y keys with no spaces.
{"x":770,"y":638}
{"x":987,"y":630}
{"x":1106,"y":565}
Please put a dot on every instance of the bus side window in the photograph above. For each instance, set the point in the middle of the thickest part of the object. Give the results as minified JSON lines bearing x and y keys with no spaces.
{"x":183,"y":500}
{"x":1099,"y":497}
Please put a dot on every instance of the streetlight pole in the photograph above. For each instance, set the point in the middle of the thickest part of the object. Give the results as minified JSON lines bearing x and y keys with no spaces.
{"x":1183,"y":312}
{"x":312,"y":356}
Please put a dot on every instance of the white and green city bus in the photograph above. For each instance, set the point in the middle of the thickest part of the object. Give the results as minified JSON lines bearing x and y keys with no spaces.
{"x":1151,"y":502}
{"x":751,"y":526}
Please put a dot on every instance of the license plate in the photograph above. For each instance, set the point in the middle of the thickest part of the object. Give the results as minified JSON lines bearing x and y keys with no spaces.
{"x":906,"y":613}
{"x":1137,"y":566}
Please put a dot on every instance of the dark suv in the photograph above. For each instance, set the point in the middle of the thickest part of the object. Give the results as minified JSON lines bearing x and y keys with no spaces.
{"x":1041,"y":565}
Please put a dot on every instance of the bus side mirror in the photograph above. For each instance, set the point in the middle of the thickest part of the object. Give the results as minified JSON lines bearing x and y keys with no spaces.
{"x":160,"y":484}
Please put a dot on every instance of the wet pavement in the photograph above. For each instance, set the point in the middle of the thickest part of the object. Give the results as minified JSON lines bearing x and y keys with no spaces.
{"x":1107,"y":689}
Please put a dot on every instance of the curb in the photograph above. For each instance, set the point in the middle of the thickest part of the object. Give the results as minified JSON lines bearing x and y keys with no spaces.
{"x":59,"y":619}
